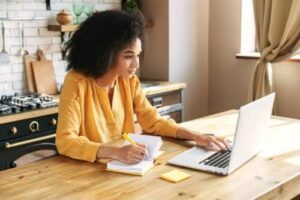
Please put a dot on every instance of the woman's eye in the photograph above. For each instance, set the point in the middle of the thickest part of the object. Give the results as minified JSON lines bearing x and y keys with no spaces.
{"x":128,"y":56}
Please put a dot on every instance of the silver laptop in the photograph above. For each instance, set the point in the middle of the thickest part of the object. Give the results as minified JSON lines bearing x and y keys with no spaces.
{"x":251,"y":128}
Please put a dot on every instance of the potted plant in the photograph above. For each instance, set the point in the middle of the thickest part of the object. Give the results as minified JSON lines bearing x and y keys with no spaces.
{"x":130,"y":5}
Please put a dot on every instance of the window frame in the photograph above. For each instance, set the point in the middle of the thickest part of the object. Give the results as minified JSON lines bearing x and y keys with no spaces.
{"x":249,"y":47}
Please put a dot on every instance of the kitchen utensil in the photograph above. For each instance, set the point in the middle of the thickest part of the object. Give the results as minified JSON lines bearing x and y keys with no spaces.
{"x":44,"y":75}
{"x":21,"y":38}
{"x":28,"y":59}
{"x":4,"y":57}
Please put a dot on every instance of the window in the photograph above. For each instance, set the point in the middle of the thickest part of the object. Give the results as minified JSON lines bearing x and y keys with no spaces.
{"x":249,"y":45}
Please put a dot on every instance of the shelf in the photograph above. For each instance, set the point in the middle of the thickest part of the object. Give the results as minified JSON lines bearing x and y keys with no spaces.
{"x":73,"y":27}
{"x":63,"y":28}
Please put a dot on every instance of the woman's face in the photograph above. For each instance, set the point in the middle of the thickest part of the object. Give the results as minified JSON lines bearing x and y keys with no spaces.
{"x":127,"y":61}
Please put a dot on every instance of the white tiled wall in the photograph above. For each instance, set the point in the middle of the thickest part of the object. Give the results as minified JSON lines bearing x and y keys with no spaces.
{"x":12,"y":76}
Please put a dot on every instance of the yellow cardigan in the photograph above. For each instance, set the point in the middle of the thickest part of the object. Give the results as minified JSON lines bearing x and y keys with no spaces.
{"x":86,"y":119}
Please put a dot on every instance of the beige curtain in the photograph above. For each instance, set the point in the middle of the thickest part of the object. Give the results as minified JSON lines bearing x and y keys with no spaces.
{"x":278,"y":33}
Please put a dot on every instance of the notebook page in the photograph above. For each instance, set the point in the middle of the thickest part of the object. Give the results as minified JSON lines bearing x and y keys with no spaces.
{"x":153,"y":144}
{"x":139,"y":168}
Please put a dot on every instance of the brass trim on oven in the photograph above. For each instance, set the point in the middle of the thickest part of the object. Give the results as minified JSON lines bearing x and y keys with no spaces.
{"x":9,"y":145}
{"x":34,"y":126}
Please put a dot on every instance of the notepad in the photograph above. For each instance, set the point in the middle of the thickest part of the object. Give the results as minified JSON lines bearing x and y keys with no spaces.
{"x":175,"y":176}
{"x":153,"y":144}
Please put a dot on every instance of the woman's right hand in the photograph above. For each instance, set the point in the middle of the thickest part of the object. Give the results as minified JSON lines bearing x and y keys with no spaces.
{"x":132,"y":154}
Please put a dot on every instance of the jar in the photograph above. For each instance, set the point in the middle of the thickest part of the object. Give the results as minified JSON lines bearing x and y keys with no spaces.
{"x":64,"y":17}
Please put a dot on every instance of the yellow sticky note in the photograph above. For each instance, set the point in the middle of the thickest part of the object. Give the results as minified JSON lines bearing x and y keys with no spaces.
{"x":175,"y":176}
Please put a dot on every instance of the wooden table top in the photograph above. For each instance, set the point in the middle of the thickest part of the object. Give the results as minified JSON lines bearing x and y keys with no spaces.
{"x":273,"y":174}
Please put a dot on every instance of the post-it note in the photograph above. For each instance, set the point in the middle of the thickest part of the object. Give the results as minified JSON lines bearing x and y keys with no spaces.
{"x":175,"y":176}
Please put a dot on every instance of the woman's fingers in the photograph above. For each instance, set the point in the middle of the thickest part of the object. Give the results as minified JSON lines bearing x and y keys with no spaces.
{"x":136,"y":153}
{"x":225,"y":142}
{"x":215,"y":143}
{"x":219,"y":145}
{"x":143,"y":149}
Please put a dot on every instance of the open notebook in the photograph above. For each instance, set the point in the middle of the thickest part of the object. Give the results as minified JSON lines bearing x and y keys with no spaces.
{"x":153,"y":144}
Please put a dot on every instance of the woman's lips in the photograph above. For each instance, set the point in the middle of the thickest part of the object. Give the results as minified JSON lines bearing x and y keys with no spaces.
{"x":131,"y":71}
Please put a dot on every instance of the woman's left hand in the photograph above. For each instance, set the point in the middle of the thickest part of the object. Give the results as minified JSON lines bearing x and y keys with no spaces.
{"x":207,"y":141}
{"x":212,"y":143}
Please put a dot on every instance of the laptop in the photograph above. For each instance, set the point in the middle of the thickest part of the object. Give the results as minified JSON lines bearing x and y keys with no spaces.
{"x":251,"y":127}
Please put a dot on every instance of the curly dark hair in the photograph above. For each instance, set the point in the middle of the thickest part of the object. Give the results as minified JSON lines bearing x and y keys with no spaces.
{"x":93,"y":47}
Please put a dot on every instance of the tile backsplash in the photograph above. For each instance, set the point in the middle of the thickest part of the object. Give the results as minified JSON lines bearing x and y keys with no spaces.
{"x":36,"y":35}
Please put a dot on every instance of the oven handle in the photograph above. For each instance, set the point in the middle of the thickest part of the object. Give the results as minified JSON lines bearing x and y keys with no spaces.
{"x":9,"y":145}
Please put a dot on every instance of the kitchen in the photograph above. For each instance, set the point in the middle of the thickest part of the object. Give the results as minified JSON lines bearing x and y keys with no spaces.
{"x":195,"y":94}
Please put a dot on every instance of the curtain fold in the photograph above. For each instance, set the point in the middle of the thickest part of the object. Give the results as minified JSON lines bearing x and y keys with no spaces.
{"x":278,"y":34}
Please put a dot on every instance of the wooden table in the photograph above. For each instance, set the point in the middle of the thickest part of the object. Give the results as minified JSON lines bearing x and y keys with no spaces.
{"x":273,"y":174}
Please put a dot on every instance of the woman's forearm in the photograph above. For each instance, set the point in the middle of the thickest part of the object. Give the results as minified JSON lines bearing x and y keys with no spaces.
{"x":183,"y":133}
{"x":106,"y":151}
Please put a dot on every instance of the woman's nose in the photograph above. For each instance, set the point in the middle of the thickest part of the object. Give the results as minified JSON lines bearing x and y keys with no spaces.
{"x":135,"y":62}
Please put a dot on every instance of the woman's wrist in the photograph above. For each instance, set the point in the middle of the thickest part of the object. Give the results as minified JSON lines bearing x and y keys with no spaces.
{"x":183,"y":133}
{"x":106,"y":151}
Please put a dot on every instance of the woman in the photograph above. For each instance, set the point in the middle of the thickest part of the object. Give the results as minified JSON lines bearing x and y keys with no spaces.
{"x":101,"y":93}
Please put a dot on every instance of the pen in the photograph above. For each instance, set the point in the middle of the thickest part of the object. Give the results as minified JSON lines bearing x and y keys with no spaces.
{"x":129,"y":139}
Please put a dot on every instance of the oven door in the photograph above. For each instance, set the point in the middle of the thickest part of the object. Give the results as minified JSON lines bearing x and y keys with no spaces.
{"x":13,"y":150}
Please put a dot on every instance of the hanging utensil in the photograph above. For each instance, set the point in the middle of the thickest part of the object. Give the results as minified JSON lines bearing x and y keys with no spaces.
{"x":21,"y":38}
{"x":4,"y":57}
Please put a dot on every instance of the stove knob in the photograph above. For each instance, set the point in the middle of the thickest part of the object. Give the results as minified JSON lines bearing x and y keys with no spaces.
{"x":53,"y":122}
{"x":34,"y":126}
{"x":14,"y":130}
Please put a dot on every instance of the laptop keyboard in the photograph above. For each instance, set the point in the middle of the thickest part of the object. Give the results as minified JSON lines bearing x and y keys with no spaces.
{"x":219,"y":159}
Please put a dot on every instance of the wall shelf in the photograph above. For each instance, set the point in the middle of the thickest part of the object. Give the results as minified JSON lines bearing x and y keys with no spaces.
{"x":63,"y":29}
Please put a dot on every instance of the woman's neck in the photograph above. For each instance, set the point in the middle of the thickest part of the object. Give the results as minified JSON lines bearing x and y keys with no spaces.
{"x":107,"y":80}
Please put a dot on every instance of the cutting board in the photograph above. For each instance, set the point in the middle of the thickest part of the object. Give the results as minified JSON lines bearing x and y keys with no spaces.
{"x":28,"y":59}
{"x":44,"y":75}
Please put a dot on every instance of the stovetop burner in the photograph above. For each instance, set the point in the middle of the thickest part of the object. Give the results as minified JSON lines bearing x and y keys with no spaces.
{"x":11,"y":104}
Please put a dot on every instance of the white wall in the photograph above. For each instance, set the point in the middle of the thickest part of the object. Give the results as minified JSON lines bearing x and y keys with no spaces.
{"x":155,"y":64}
{"x":12,"y":77}
{"x":229,"y":78}
{"x":188,"y":52}
{"x":177,"y":49}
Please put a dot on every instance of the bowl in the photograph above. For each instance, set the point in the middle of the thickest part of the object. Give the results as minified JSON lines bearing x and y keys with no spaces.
{"x":64,"y":17}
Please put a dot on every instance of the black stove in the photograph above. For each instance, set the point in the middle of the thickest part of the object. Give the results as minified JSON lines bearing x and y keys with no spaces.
{"x":22,"y":134}
{"x":11,"y":104}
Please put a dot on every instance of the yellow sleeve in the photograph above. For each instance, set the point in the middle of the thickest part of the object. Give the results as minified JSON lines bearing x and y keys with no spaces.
{"x":147,"y":115}
{"x":69,"y":141}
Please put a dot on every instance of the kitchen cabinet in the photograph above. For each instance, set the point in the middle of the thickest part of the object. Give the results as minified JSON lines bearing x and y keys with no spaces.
{"x":168,"y":104}
{"x":167,"y":98}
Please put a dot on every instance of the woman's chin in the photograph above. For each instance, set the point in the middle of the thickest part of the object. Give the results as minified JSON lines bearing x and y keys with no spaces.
{"x":131,"y":73}
{"x":128,"y":75}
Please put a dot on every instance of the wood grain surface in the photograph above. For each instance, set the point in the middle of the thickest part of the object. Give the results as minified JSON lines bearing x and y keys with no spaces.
{"x":28,"y":59}
{"x":273,"y":174}
{"x":44,"y":77}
